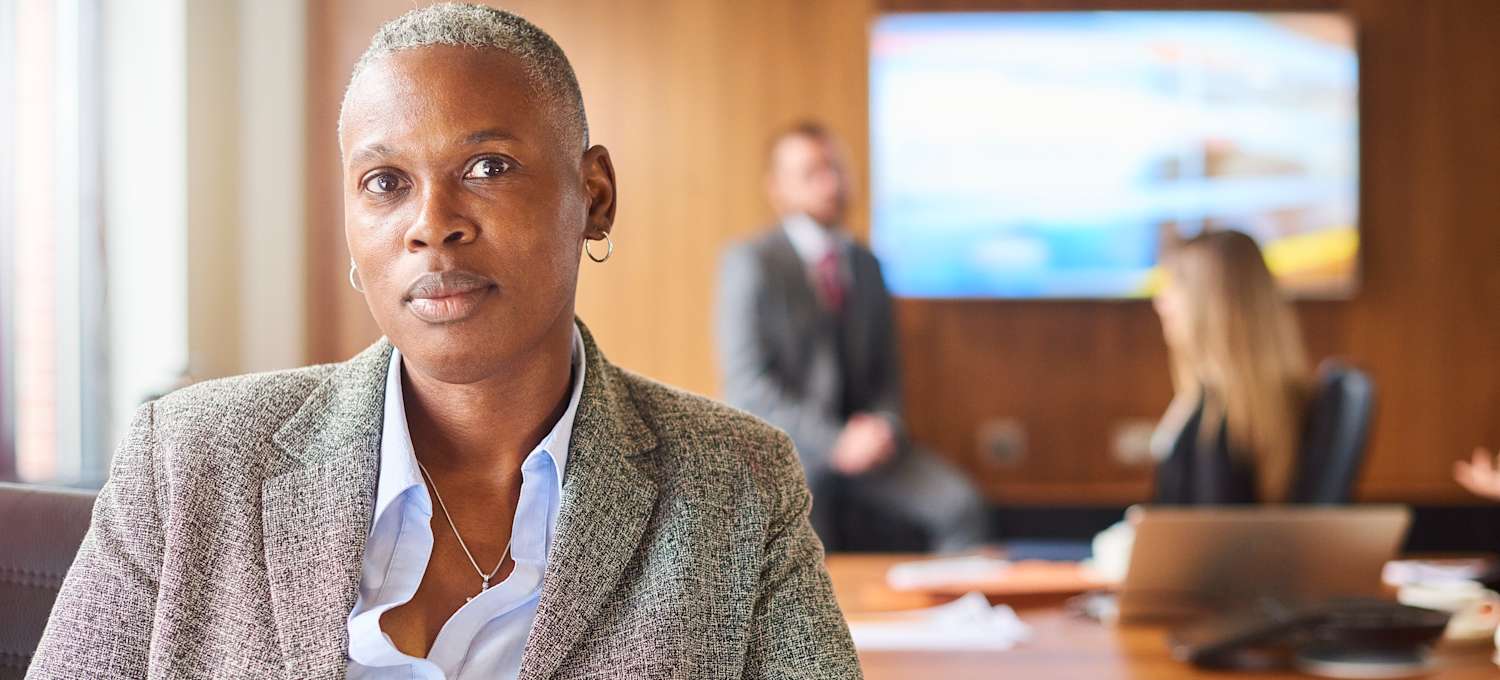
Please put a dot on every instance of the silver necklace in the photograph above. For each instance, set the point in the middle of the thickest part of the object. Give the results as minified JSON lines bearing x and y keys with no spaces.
{"x":484,"y":583}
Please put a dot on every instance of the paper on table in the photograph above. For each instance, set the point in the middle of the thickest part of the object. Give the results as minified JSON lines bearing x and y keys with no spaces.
{"x":943,"y":571}
{"x":966,"y":624}
{"x":1399,"y":573}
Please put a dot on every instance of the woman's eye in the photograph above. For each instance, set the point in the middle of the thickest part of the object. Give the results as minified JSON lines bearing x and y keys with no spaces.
{"x":383,"y":183}
{"x":487,"y":167}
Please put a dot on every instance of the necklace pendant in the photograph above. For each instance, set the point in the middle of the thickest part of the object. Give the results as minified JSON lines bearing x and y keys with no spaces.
{"x":483,"y":586}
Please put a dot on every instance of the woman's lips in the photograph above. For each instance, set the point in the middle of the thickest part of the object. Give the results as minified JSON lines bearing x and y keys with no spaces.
{"x":446,"y":297}
{"x":449,"y":308}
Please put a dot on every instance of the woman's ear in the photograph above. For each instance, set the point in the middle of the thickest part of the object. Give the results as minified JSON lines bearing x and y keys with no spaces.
{"x":599,"y":183}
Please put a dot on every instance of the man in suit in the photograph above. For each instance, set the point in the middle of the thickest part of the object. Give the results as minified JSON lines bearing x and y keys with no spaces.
{"x":807,"y":342}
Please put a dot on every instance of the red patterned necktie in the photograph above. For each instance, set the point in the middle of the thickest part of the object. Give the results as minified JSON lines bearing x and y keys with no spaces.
{"x":829,"y":280}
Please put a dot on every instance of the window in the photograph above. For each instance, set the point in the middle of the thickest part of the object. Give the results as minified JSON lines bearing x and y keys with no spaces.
{"x":134,"y":255}
{"x":51,"y":268}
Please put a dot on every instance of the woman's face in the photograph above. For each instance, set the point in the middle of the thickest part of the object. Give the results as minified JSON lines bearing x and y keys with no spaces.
{"x":1171,"y":305}
{"x":465,"y":207}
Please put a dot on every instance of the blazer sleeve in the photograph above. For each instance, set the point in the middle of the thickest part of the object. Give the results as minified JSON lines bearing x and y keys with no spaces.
{"x":797,"y":630}
{"x":887,"y":401}
{"x":100,"y":626}
{"x":744,"y":358}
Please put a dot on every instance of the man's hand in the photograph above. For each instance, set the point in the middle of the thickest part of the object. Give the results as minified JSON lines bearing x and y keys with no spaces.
{"x":1481,"y":475}
{"x":866,"y":441}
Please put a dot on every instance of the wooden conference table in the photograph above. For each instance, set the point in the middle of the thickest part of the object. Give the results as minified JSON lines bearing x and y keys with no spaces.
{"x":1063,"y":646}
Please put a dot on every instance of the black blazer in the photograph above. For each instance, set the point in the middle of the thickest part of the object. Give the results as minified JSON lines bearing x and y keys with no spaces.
{"x":1204,"y":471}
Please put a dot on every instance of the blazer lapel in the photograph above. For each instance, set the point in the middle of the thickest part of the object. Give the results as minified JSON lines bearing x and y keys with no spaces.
{"x":791,"y":272}
{"x":609,"y":492}
{"x":316,"y":509}
{"x":867,"y":294}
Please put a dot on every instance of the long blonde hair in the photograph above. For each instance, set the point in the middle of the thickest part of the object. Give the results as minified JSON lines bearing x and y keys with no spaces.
{"x":1242,"y":353}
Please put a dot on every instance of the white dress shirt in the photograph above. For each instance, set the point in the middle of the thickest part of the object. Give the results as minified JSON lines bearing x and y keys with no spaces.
{"x":486,"y":636}
{"x":813,"y":241}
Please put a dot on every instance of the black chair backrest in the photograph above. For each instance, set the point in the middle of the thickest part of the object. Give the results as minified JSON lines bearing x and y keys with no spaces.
{"x":40,"y":529}
{"x":1334,"y":437}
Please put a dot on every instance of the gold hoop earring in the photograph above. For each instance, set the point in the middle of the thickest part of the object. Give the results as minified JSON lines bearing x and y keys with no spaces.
{"x":353,"y":282}
{"x":609,"y":249}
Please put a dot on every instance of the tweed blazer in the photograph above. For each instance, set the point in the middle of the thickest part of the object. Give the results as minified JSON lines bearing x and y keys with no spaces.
{"x":227,"y":542}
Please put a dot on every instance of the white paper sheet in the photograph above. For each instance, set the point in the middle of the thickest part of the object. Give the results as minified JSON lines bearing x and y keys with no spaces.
{"x":935,"y":573}
{"x":966,"y":624}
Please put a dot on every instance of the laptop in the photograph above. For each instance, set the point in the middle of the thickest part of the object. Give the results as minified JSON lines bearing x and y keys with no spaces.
{"x":1188,"y":562}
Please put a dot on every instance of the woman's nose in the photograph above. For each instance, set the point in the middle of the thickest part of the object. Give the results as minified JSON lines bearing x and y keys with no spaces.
{"x":439,"y":222}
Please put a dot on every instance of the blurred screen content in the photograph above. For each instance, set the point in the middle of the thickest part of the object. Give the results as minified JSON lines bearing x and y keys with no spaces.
{"x":1048,"y":154}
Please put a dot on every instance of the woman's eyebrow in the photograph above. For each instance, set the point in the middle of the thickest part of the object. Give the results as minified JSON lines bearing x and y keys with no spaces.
{"x":370,"y":153}
{"x":488,"y":135}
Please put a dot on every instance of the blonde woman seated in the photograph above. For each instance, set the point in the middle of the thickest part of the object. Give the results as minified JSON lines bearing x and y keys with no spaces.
{"x":1232,"y":432}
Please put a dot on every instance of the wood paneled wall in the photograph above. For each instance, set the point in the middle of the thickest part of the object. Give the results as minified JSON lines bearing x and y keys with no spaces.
{"x":685,"y":93}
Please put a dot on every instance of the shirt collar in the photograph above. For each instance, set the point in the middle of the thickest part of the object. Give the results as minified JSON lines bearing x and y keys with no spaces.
{"x":558,"y":440}
{"x":398,"y":458}
{"x":811,"y":240}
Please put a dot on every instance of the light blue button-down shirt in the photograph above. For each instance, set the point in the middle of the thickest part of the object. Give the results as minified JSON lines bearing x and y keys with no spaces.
{"x":485,"y":637}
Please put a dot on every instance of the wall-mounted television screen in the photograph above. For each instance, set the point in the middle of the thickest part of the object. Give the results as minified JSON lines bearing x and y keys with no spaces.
{"x":1050,"y":154}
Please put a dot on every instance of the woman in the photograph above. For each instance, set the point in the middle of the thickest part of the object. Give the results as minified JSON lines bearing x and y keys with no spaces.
{"x":1232,"y":432}
{"x":480,"y":494}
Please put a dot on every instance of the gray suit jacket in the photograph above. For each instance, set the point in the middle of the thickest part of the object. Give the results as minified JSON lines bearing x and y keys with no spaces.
{"x":779,"y":351}
{"x":228,"y":540}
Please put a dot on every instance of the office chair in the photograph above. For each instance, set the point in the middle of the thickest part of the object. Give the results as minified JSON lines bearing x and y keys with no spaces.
{"x":1334,"y":438}
{"x":42,"y":530}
